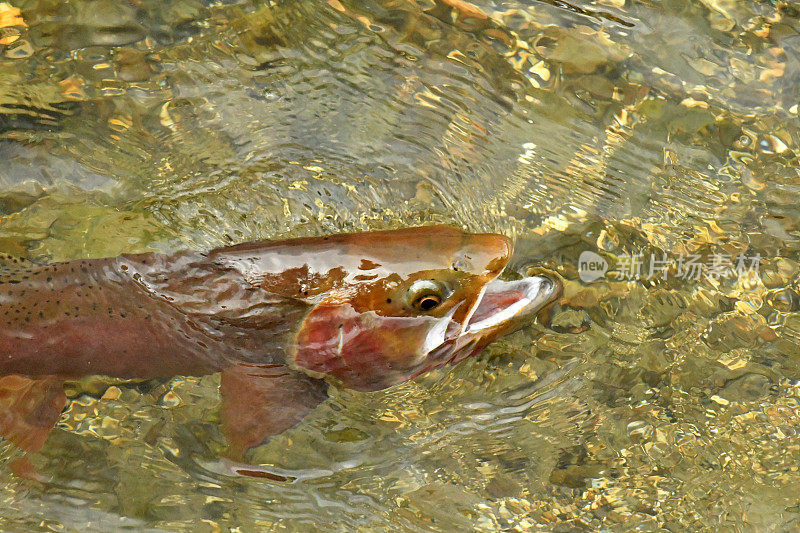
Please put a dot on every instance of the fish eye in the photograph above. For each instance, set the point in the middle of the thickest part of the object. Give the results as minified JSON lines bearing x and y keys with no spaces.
{"x":427,"y":303}
{"x":426,"y":295}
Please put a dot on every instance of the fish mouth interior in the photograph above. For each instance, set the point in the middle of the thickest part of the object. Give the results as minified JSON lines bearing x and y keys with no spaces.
{"x":506,"y":301}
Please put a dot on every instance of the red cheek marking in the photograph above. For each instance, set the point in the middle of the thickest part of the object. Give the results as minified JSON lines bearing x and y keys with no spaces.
{"x":335,"y":340}
{"x":364,"y":350}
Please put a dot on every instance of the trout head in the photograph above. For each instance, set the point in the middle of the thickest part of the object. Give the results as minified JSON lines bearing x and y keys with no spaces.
{"x":399,"y":303}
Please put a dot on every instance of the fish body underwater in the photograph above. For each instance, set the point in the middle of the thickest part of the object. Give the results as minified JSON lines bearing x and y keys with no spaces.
{"x":278,"y":319}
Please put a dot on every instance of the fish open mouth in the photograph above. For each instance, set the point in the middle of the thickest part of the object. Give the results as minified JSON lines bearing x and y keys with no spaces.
{"x":504,"y":304}
{"x":503,"y":307}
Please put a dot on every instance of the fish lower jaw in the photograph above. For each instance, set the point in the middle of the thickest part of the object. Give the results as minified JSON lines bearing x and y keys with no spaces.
{"x":501,"y":317}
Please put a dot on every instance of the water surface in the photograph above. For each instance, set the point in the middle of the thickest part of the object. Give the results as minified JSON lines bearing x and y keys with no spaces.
{"x":615,"y":126}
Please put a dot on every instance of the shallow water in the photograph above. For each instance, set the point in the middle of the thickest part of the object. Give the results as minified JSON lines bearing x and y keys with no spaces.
{"x":614,"y":126}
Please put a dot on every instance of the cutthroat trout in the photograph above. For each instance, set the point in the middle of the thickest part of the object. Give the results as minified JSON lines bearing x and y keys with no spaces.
{"x":278,"y":319}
